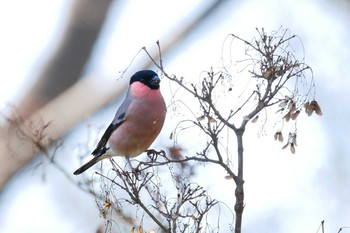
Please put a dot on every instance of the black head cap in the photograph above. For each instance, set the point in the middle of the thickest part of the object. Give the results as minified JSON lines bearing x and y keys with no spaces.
{"x":147,"y":77}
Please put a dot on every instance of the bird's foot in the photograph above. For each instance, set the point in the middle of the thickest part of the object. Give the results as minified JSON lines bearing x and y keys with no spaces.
{"x":153,"y":154}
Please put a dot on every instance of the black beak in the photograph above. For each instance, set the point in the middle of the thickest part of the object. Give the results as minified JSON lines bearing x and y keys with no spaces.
{"x":154,"y":83}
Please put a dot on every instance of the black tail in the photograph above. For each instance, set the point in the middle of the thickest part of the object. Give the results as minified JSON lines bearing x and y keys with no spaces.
{"x":87,"y":165}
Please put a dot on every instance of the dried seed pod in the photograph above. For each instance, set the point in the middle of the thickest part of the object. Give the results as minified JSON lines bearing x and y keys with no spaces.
{"x":287,"y":116}
{"x":211,"y":119}
{"x":255,"y":119}
{"x":201,"y":118}
{"x":293,"y":139}
{"x":311,"y":107}
{"x":316,"y":107}
{"x":292,"y":142}
{"x":308,"y":108}
{"x":295,"y":115}
{"x":283,"y":103}
{"x":175,"y":152}
{"x":279,"y":71}
{"x":278,"y":136}
{"x":292,"y":148}
{"x":269,"y":73}
{"x":285,"y":146}
{"x":107,"y":204}
{"x":292,"y":106}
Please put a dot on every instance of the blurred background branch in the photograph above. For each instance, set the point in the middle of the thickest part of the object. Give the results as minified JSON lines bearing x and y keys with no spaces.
{"x":68,"y":60}
{"x":63,"y":70}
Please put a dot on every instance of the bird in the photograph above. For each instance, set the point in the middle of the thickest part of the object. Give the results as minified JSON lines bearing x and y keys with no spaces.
{"x":137,"y":122}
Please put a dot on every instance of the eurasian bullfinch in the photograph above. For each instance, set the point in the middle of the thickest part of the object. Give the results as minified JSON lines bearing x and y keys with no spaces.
{"x":137,"y":122}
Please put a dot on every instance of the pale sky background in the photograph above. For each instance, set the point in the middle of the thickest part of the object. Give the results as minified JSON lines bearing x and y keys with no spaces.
{"x":284,"y":192}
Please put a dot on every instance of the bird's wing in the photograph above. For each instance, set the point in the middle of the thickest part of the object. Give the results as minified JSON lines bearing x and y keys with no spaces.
{"x":119,"y":118}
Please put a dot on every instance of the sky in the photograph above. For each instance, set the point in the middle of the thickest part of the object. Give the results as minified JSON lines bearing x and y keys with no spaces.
{"x":284,"y":192}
